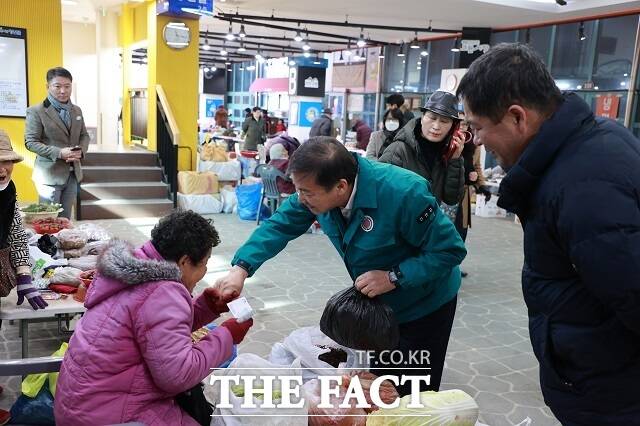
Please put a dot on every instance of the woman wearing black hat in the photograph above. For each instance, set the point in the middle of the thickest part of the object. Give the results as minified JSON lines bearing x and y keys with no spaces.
{"x":423,"y":143}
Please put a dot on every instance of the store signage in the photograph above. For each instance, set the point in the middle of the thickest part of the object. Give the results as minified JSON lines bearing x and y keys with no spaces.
{"x":184,"y":7}
{"x":471,"y":46}
{"x":312,"y":83}
{"x":607,"y":106}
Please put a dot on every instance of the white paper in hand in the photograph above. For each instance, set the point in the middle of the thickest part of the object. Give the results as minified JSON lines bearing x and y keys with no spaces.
{"x":240,"y":309}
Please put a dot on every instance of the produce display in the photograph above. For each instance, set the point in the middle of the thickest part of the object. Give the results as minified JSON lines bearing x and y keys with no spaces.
{"x":51,"y":225}
{"x":41,"y":208}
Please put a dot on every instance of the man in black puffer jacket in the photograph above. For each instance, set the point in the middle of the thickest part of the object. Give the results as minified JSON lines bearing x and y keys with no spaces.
{"x":574,"y":182}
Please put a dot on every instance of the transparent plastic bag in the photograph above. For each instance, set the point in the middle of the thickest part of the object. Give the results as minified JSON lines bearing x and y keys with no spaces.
{"x":336,"y":416}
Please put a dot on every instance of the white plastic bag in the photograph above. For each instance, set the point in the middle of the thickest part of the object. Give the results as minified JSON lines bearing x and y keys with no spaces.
{"x":41,"y":260}
{"x":66,"y":275}
{"x":247,"y":365}
{"x":229,"y":199}
{"x":72,"y":238}
{"x":444,"y":408}
{"x":226,"y":171}
{"x":94,"y":232}
{"x":84,"y":263}
{"x":304,"y":345}
{"x":201,"y":204}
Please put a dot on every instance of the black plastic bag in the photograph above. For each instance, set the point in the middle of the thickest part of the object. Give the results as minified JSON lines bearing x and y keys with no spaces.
{"x":358,"y":322}
{"x":48,"y":244}
{"x":196,"y":405}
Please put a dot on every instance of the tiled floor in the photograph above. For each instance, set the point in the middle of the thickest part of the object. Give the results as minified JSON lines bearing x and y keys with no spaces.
{"x":489,"y":353}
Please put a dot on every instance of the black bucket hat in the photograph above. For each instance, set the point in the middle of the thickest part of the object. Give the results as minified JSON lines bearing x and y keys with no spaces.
{"x":442,"y":103}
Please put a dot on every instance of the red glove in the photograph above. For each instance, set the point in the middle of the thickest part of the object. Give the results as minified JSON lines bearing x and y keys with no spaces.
{"x":237,"y":329}
{"x":216,"y":302}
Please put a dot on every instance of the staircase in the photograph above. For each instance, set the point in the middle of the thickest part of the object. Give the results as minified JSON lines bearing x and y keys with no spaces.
{"x":123,"y":185}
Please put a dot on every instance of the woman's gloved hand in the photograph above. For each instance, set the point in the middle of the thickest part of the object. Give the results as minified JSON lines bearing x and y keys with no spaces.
{"x":26,"y":289}
{"x":484,"y":190}
{"x":237,"y":329}
{"x":216,"y":302}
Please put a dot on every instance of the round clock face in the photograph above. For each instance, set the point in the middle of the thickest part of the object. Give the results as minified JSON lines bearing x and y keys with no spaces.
{"x":176,"y":35}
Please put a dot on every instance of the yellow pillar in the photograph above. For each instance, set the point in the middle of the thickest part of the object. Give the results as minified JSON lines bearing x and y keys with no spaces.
{"x":126,"y":31}
{"x":44,"y":51}
{"x":177,"y":72}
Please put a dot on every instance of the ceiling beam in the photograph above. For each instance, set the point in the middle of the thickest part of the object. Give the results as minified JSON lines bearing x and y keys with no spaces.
{"x":273,"y":38}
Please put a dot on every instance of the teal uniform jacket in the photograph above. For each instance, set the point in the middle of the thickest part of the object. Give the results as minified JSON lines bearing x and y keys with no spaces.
{"x":395,"y":224}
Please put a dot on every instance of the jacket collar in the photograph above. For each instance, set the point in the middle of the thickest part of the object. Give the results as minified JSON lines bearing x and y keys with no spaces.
{"x":366,"y":192}
{"x":55,"y":116}
{"x":523,"y":178}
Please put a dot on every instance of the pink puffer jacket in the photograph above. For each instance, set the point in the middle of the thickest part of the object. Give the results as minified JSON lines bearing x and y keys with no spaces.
{"x":132,"y":352}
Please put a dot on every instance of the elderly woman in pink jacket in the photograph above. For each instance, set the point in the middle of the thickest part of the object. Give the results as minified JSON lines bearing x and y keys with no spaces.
{"x":132,"y":353}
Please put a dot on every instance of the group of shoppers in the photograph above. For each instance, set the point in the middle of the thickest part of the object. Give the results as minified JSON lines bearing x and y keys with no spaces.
{"x":132,"y":354}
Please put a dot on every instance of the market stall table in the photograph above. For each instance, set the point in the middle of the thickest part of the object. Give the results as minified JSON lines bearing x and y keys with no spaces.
{"x":9,"y":311}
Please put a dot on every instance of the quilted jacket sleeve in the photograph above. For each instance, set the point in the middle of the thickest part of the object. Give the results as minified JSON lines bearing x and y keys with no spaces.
{"x":163,"y":332}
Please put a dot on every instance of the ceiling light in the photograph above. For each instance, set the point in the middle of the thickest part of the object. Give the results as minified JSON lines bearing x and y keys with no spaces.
{"x":625,"y":75}
{"x":581,"y":34}
{"x":223,"y":52}
{"x":69,"y":2}
{"x":306,"y":46}
{"x":356,"y":57}
{"x":230,"y":35}
{"x":292,"y":63}
{"x":298,"y":37}
{"x":242,"y":34}
{"x":227,"y":63}
{"x":306,"y":54}
{"x":228,"y":69}
{"x":242,"y":48}
{"x":317,"y":60}
{"x":251,"y":67}
{"x":361,"y":42}
{"x":424,"y":52}
{"x":241,"y":68}
{"x":415,"y":44}
{"x":206,"y":46}
{"x":214,"y":69}
{"x":401,"y":51}
{"x":205,"y":69}
{"x":381,"y":54}
{"x":456,"y":47}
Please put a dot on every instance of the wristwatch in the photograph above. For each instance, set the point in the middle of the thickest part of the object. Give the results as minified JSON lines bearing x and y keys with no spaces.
{"x":393,"y":278}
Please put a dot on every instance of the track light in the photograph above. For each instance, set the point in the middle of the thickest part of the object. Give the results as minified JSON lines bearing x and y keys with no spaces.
{"x":348,"y":52}
{"x":206,"y":46}
{"x":381,"y":54}
{"x":456,"y":46}
{"x":415,"y":44}
{"x":241,"y":48}
{"x":581,"y":34}
{"x":214,"y":69}
{"x":298,"y":38}
{"x":205,"y":69}
{"x":306,"y":47}
{"x":317,"y":60}
{"x":242,"y":34}
{"x":401,"y":51}
{"x":361,"y":42}
{"x":230,"y":35}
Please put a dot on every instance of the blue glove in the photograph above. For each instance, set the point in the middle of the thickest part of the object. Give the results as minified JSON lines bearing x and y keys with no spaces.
{"x":26,"y":289}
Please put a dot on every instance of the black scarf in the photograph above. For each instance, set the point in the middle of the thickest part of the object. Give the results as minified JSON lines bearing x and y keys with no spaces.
{"x":431,"y":152}
{"x":389,"y":136}
{"x":7,"y":212}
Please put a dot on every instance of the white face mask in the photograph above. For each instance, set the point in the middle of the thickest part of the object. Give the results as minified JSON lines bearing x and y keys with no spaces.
{"x":4,"y":186}
{"x":392,"y":125}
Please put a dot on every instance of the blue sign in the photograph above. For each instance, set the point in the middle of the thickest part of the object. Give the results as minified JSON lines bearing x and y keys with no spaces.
{"x":301,"y":61}
{"x":309,"y":111}
{"x":211,"y":105}
{"x":184,"y":7}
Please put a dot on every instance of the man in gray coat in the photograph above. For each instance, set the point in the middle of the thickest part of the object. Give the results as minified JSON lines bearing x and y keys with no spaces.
{"x":56,"y":132}
{"x":323,"y":125}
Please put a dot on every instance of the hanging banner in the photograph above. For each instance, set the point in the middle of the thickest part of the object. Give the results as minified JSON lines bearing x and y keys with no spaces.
{"x":13,"y":73}
{"x":182,"y":7}
{"x":607,"y":106}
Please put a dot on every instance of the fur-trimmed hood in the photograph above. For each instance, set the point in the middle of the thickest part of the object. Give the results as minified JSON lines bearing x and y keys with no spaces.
{"x":121,"y":266}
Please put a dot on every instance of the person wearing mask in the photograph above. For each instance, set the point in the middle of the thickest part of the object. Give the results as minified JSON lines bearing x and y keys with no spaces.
{"x":56,"y":133}
{"x":386,"y":225}
{"x":423,"y":144}
{"x":363,"y":134}
{"x":396,"y":101}
{"x":279,"y":158}
{"x":393,"y":121}
{"x":133,"y":351}
{"x":323,"y":125}
{"x":15,"y":264}
{"x":574,"y":181}
{"x":253,"y":128}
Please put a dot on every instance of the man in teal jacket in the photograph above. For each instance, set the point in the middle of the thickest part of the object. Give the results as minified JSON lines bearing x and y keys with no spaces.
{"x":394,"y":240}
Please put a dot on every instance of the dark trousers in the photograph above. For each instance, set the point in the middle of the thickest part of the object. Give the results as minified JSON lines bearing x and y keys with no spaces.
{"x":423,"y":345}
{"x":458,"y":223}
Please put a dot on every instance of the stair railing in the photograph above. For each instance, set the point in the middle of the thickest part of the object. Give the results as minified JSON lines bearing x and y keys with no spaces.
{"x":168,"y":136}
